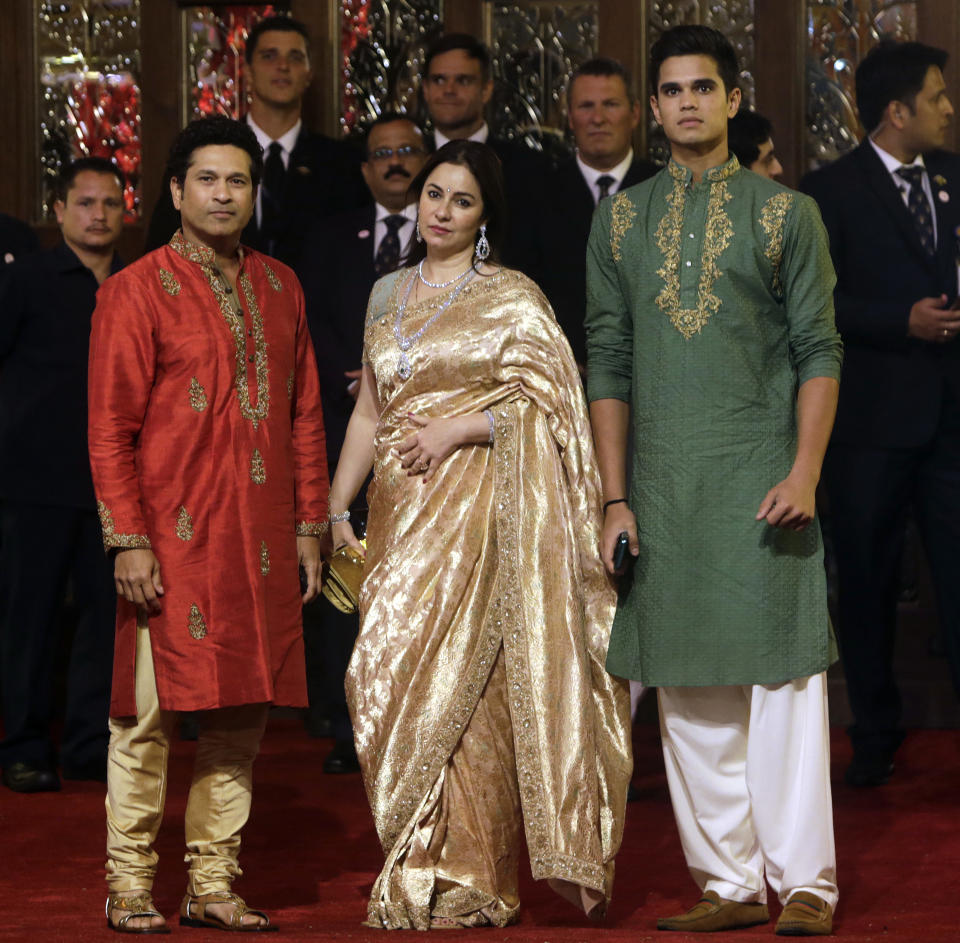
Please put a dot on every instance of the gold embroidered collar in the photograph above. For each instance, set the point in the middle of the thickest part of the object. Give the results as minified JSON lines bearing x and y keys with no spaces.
{"x":684,"y":175}
{"x":193,"y":252}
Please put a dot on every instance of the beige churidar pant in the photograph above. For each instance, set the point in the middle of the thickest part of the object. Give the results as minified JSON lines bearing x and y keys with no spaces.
{"x":749,"y":775}
{"x":219,"y":802}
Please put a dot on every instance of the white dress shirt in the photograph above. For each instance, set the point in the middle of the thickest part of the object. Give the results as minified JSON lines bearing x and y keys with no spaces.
{"x":405,"y":232}
{"x":287,"y":142}
{"x":480,"y":136}
{"x":591,"y":175}
{"x":893,"y":165}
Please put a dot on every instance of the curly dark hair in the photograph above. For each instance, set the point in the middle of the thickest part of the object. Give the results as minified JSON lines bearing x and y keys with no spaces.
{"x":484,"y":164}
{"x":215,"y":130}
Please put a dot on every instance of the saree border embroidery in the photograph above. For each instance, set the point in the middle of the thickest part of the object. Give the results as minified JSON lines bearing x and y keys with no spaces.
{"x":622,"y":215}
{"x":196,"y":623}
{"x":169,"y":282}
{"x":773,"y":218}
{"x":508,"y":614}
{"x":112,"y":539}
{"x":717,"y":235}
{"x":198,"y":396}
{"x":184,"y":528}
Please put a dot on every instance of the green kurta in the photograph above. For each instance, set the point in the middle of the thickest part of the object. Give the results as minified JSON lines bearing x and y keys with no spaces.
{"x":708,"y":304}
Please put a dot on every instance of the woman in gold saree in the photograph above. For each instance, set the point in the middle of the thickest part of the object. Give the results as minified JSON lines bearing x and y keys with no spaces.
{"x":479,"y":699}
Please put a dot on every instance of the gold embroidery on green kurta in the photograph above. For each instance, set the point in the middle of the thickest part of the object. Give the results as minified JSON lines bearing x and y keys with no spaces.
{"x":264,"y":558}
{"x":169,"y":282}
{"x":184,"y":526}
{"x":198,"y":628}
{"x":275,"y":283}
{"x":112,"y":539}
{"x":716,"y":238}
{"x":773,"y":217}
{"x":622,"y":216}
{"x":198,"y":396}
{"x":258,"y":472}
{"x":291,"y":383}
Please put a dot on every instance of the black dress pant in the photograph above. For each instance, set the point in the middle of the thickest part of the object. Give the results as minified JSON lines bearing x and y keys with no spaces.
{"x":870,"y":492}
{"x":42,"y":550}
{"x":328,"y":637}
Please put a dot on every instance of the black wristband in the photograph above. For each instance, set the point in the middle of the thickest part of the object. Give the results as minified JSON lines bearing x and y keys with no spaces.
{"x":614,"y":501}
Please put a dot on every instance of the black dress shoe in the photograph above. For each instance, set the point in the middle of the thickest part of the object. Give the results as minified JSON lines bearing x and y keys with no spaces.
{"x":318,"y":725}
{"x":22,"y":777}
{"x":342,"y":759}
{"x":869,"y":769}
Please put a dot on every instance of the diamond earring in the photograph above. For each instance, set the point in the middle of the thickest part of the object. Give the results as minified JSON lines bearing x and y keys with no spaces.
{"x":419,"y":237}
{"x":483,"y":246}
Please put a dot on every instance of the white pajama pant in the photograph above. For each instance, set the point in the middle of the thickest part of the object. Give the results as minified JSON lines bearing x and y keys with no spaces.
{"x":749,"y":775}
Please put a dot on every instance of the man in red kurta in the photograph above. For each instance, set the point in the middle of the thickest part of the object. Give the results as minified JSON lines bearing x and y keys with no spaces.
{"x":207,"y":450}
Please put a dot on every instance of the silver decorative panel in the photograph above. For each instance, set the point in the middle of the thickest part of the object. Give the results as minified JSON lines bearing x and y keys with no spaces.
{"x":733,"y":18}
{"x":382,"y":46}
{"x":535,"y":47}
{"x":839,"y":34}
{"x":88,"y":57}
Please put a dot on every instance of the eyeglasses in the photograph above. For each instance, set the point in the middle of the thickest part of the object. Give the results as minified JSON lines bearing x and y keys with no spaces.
{"x":385,"y":153}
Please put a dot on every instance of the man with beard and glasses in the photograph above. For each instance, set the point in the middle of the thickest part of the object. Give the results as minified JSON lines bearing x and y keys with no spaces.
{"x":340,"y":263}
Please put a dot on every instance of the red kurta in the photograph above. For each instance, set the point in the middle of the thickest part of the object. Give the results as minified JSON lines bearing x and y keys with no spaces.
{"x":206,"y":444}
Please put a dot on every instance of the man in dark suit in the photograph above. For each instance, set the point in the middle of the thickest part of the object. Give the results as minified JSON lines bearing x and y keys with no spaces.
{"x":342,"y":259}
{"x":457,"y":86}
{"x":49,"y":526}
{"x":16,"y":239}
{"x":603,"y":113}
{"x":892,"y":209}
{"x":306,"y":176}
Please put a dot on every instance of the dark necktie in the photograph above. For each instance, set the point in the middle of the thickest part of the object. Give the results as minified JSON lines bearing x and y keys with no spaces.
{"x":919,"y":207}
{"x":603,"y":184}
{"x":388,"y":253}
{"x":272,"y":191}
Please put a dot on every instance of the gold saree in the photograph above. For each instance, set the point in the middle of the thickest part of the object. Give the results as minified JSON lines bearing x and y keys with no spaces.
{"x":477,"y":687}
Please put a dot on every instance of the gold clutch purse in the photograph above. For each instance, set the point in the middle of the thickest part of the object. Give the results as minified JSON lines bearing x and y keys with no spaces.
{"x":344,"y":576}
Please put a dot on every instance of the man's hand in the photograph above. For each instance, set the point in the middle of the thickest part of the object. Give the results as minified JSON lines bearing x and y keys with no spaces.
{"x":617,"y":519}
{"x":308,"y":554}
{"x":137,"y":577}
{"x":931,"y":320}
{"x":353,"y":387}
{"x":790,"y":504}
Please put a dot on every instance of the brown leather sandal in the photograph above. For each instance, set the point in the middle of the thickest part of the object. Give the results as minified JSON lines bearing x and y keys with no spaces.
{"x":193,"y":913}
{"x":138,"y":905}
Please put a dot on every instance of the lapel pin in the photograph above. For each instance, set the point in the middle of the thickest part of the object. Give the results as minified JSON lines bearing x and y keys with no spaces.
{"x":940,"y":180}
{"x":363,"y":234}
{"x":303,"y":170}
{"x":943,"y":196}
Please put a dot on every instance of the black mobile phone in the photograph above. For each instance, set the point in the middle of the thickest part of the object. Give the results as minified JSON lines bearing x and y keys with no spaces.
{"x":620,"y":549}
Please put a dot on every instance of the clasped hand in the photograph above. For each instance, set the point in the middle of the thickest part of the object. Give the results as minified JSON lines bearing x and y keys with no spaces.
{"x":434,"y":440}
{"x":791,"y":504}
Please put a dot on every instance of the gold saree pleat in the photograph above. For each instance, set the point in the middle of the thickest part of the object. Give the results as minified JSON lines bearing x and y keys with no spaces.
{"x":477,"y":686}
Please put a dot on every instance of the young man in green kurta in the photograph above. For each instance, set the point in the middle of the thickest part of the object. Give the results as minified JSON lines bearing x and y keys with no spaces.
{"x":710,"y":329}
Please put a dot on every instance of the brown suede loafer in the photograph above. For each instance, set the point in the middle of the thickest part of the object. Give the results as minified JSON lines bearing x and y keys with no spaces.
{"x":712,"y":913}
{"x":805,"y":915}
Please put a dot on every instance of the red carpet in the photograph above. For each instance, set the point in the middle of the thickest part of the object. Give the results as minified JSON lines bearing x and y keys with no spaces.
{"x":311,"y":855}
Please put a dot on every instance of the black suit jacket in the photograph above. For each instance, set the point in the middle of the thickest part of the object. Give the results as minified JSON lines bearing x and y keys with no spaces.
{"x":46,"y":303}
{"x":323,"y":179}
{"x":562,"y":228}
{"x":336,"y":272}
{"x":892,"y":386}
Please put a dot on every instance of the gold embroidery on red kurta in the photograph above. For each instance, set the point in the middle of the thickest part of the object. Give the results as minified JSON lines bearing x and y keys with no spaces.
{"x":196,"y":624}
{"x":264,"y":558}
{"x":112,"y":539}
{"x":184,"y":528}
{"x":308,"y":529}
{"x":258,"y":471}
{"x":198,"y":395}
{"x":275,"y":283}
{"x":291,"y":383}
{"x":169,"y":282}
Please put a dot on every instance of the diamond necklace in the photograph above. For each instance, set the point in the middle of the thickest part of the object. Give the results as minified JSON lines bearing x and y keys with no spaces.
{"x":440,"y":284}
{"x":404,"y":369}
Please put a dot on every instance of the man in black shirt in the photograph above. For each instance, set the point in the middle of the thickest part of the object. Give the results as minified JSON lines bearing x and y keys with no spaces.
{"x":49,"y":528}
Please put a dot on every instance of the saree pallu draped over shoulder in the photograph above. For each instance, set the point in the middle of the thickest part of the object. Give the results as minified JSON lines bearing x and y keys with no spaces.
{"x":477,"y":687}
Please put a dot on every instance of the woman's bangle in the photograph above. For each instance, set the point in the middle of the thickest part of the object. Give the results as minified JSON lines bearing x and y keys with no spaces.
{"x":605,"y":506}
{"x":339,"y":518}
{"x":489,"y":414}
